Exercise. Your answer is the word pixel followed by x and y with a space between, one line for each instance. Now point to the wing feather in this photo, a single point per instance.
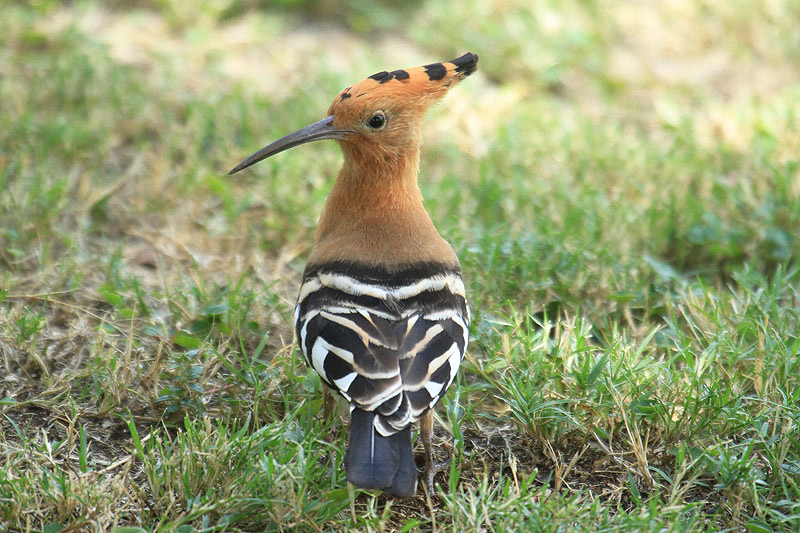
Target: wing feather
pixel 390 348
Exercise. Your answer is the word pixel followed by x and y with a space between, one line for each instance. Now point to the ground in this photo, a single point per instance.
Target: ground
pixel 620 181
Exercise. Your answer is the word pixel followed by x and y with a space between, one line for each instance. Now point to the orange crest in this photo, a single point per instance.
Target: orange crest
pixel 416 87
pixel 380 117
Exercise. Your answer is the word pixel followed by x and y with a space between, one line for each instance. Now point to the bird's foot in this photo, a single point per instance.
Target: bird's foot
pixel 432 469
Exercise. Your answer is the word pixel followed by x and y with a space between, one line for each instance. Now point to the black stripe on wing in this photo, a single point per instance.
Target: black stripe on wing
pixel 427 301
pixel 401 276
pixel 432 369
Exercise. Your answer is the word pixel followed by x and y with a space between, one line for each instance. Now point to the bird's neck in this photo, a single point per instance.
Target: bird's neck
pixel 374 215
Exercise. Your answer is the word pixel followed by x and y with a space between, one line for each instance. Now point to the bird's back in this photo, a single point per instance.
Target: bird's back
pixel 390 342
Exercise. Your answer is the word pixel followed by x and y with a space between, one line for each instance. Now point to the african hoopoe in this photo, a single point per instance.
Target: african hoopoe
pixel 382 315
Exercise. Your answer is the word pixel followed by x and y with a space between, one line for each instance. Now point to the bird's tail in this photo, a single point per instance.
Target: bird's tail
pixel 377 462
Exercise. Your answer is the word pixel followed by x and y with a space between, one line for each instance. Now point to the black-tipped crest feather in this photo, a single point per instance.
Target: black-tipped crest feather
pixel 466 64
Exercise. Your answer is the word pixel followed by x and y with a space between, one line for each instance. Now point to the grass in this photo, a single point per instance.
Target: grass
pixel 620 181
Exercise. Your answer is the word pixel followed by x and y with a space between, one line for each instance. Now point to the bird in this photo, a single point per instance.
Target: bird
pixel 382 313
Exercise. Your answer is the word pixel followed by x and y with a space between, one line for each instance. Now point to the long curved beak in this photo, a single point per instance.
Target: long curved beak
pixel 313 132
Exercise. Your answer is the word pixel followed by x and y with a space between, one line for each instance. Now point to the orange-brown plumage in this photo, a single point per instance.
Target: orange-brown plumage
pixel 382 313
pixel 381 220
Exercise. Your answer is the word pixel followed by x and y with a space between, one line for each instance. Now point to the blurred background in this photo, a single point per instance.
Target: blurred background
pixel 659 114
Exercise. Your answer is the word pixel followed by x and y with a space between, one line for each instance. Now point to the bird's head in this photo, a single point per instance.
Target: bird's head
pixel 381 116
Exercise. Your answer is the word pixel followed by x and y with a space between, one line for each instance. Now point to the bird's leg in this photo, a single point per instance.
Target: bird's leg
pixel 328 403
pixel 426 433
pixel 329 410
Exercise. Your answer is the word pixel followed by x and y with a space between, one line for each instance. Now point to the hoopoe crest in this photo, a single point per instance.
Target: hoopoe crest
pixel 382 314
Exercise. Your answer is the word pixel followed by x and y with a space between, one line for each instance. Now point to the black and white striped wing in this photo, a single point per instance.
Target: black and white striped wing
pixel 390 344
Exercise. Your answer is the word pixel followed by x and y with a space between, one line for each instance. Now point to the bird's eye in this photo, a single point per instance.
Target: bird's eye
pixel 377 121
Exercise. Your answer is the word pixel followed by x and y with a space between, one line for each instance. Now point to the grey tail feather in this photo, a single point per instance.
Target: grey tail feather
pixel 404 483
pixel 377 462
